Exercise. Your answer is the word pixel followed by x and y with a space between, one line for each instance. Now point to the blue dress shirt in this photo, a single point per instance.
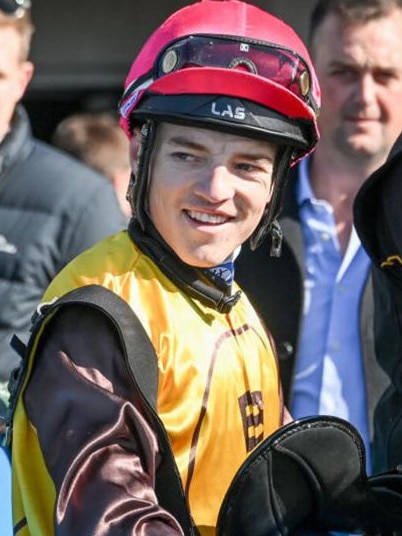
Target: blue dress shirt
pixel 329 377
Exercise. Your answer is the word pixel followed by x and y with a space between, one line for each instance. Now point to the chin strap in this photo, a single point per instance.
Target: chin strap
pixel 198 284
pixel 276 235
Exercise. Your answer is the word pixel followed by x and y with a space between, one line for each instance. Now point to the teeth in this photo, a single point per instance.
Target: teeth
pixel 206 218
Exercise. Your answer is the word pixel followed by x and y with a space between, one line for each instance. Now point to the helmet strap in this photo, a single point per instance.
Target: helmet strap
pixel 138 188
pixel 269 224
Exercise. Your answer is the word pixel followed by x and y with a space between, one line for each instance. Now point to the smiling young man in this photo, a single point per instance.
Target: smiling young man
pixel 208 191
pixel 217 105
pixel 51 207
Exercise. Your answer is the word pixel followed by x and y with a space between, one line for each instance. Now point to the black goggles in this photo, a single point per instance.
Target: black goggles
pixel 15 8
pixel 283 66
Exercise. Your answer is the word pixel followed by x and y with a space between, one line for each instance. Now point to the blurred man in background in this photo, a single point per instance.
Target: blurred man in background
pixel 51 206
pixel 98 140
pixel 317 296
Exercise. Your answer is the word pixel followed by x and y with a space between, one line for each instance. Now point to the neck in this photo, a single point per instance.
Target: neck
pixel 336 179
pixel 332 175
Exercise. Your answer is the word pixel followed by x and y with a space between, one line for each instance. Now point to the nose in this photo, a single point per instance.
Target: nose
pixel 366 89
pixel 216 185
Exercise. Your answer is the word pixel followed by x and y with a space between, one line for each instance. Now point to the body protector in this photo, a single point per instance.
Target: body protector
pixel 230 66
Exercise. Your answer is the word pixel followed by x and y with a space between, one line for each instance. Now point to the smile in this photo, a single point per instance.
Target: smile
pixel 206 218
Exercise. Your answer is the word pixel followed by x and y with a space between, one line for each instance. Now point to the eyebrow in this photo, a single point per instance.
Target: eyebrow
pixel 348 64
pixel 184 142
pixel 341 62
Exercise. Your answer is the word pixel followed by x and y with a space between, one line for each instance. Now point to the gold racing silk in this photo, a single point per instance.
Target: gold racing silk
pixel 218 393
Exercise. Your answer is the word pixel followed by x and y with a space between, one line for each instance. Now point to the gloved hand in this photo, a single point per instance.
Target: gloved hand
pixel 310 475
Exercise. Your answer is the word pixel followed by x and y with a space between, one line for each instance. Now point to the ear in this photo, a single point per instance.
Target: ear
pixel 134 148
pixel 25 76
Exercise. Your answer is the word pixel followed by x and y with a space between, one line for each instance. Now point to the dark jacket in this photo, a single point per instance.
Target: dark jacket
pixel 51 208
pixel 275 287
pixel 378 221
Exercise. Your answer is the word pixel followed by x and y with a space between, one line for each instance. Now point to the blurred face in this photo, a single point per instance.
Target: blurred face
pixel 14 75
pixel 120 180
pixel 359 67
pixel 208 191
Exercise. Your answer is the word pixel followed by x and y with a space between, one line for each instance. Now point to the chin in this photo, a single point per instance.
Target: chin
pixel 203 261
pixel 356 148
pixel 204 254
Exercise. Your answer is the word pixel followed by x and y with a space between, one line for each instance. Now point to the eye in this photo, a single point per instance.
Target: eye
pixel 344 73
pixel 186 158
pixel 247 167
pixel 183 156
pixel 253 173
pixel 254 168
pixel 385 77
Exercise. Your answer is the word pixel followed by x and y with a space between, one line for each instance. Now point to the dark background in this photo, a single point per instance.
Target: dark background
pixel 82 50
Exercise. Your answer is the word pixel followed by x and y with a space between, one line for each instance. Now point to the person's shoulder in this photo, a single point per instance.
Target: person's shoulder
pixel 68 168
pixel 57 179
pixel 50 181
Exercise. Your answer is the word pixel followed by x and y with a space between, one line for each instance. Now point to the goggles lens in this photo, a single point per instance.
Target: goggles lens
pixel 283 66
pixel 14 8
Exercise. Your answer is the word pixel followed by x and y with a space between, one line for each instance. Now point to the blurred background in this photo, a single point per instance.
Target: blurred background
pixel 82 50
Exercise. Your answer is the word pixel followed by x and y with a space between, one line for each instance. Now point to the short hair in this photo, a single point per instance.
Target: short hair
pixel 24 26
pixel 354 11
pixel 96 139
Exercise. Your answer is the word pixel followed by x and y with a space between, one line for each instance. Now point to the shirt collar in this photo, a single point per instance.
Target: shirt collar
pixel 226 270
pixel 304 191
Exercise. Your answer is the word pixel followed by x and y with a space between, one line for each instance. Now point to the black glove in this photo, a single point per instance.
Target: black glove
pixel 310 475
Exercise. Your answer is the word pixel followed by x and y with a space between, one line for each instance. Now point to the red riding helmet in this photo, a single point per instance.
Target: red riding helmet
pixel 230 66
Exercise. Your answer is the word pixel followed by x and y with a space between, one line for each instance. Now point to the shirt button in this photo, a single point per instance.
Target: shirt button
pixel 325 237
pixel 287 348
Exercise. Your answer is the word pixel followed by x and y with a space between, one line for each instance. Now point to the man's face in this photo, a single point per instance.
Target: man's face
pixel 359 67
pixel 208 190
pixel 14 75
